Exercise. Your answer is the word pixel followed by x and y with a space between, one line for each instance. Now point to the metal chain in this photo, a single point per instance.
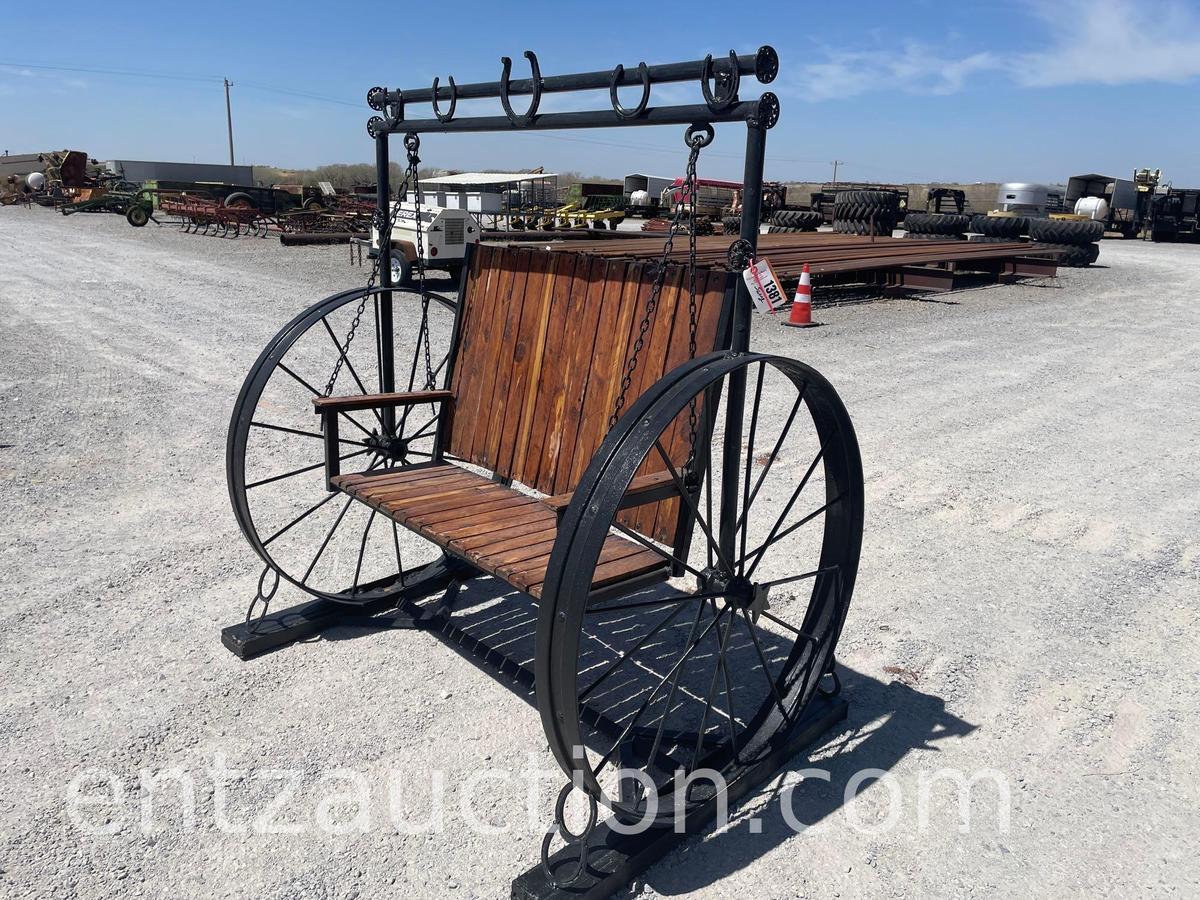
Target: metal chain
pixel 384 224
pixel 412 144
pixel 687 210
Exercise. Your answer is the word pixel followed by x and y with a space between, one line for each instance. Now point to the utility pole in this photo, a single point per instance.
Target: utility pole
pixel 835 164
pixel 229 120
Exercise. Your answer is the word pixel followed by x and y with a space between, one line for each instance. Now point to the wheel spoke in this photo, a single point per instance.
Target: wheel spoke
pixel 644 604
pixel 628 654
pixel 813 574
pixel 319 465
pixel 684 657
pixel 762 370
pixel 311 434
pixel 787 508
pixel 650 545
pixel 745 516
pixel 691 502
pixel 362 549
pixel 759 551
pixel 349 366
pixel 325 543
pixel 349 418
pixel 778 621
pixel 662 720
pixel 762 658
pixel 296 521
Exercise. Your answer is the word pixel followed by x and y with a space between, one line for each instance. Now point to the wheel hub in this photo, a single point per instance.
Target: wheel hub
pixel 739 593
pixel 394 447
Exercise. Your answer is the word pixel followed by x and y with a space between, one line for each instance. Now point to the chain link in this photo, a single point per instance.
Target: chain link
pixel 385 225
pixel 684 210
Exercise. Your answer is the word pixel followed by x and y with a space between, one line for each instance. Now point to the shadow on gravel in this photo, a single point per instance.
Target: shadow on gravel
pixel 887 721
pixel 495 630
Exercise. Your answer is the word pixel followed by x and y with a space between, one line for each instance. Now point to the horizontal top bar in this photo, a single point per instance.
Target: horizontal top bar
pixel 698 114
pixel 764 65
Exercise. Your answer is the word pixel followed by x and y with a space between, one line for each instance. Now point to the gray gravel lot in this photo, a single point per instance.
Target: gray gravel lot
pixel 1026 604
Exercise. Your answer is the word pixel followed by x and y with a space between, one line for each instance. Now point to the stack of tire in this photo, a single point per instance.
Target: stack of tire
pixel 998 229
pixel 936 226
pixel 866 212
pixel 1076 241
pixel 793 221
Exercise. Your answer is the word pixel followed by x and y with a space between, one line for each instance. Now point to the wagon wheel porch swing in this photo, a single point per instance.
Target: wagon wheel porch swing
pixel 677 520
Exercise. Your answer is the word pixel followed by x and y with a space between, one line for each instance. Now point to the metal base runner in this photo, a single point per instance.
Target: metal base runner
pixel 614 859
pixel 299 623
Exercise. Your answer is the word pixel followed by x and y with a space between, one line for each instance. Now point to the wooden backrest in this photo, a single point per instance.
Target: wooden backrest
pixel 544 341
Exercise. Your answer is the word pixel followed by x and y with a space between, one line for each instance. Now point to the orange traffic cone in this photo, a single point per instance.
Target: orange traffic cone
pixel 801 316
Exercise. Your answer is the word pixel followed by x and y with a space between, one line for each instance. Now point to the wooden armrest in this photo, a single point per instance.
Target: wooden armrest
pixel 378 401
pixel 643 489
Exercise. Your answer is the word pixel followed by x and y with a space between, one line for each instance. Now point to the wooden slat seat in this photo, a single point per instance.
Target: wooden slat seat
pixel 504 532
pixel 542 342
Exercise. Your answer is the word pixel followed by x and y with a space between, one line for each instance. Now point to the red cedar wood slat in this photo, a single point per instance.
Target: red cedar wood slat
pixel 468 373
pixel 512 306
pixel 464 372
pixel 473 506
pixel 532 406
pixel 548 409
pixel 580 339
pixel 487 355
pixel 528 347
pixel 605 361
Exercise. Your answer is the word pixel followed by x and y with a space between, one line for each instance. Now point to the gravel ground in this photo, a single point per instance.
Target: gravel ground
pixel 1026 606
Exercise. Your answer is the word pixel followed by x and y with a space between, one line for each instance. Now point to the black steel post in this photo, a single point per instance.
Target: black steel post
pixel 383 303
pixel 756 151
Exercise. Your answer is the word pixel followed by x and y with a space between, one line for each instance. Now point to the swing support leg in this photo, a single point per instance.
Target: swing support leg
pixel 308 620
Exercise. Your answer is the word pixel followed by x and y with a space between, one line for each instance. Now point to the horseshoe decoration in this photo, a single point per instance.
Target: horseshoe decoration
pixel 449 114
pixel 720 103
pixel 522 120
pixel 617 75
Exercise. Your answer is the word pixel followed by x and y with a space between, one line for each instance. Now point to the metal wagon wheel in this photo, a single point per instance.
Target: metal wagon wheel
pixel 712 670
pixel 274 454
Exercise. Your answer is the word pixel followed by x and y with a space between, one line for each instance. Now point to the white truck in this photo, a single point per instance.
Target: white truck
pixel 445 235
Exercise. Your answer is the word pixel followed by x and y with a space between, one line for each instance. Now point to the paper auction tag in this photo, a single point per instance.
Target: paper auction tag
pixel 765 289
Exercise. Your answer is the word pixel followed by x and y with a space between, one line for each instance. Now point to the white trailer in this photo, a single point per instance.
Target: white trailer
pixel 445 233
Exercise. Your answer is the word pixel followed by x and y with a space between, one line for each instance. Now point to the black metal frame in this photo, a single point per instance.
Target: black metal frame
pixel 720 83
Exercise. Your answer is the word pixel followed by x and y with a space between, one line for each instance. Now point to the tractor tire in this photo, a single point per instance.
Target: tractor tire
pixel 881 227
pixel 1007 227
pixel 854 211
pixel 991 239
pixel 732 224
pixel 872 201
pixel 936 223
pixel 239 201
pixel 782 229
pixel 1073 256
pixel 314 205
pixel 137 215
pixel 920 236
pixel 1065 231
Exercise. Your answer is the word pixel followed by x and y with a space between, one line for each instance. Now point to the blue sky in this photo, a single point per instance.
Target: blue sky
pixel 1000 90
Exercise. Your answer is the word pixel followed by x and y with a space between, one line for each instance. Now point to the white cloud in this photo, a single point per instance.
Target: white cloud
pixel 1085 42
pixel 1114 42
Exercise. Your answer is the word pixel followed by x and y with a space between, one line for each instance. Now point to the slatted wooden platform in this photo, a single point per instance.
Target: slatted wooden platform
pixel 502 531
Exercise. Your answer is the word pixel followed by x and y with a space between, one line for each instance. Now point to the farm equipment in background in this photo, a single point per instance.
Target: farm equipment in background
pixel 445 235
pixel 1123 205
pixel 1175 215
pixel 823 201
pixel 940 200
